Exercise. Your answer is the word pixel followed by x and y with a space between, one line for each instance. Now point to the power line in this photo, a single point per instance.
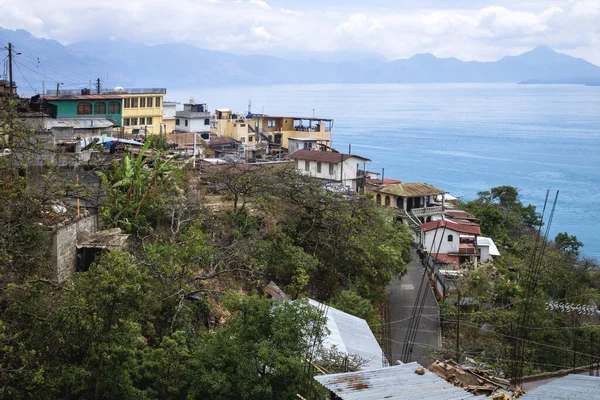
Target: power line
pixel 39 73
pixel 32 89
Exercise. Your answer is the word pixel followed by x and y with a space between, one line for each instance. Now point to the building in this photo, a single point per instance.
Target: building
pixel 397 382
pixel 295 144
pixel 572 387
pixel 251 129
pixel 451 242
pixel 487 249
pixel 351 335
pixel 195 117
pixel 86 107
pixel 331 166
pixel 169 109
pixel 142 109
pixel 415 202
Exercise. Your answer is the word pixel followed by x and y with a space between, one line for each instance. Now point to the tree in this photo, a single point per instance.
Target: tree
pixel 568 244
pixel 260 354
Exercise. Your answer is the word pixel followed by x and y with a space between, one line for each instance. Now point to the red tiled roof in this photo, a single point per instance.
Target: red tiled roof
pixel 387 181
pixel 323 156
pixel 470 229
pixel 448 259
pixel 459 214
pixel 466 248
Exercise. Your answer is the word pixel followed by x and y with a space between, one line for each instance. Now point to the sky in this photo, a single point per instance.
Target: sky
pixel 466 29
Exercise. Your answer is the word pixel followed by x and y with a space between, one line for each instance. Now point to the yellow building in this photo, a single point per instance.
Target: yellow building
pixel 143 109
pixel 252 129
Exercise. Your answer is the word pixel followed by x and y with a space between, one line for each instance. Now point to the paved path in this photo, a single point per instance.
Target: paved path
pixel 401 299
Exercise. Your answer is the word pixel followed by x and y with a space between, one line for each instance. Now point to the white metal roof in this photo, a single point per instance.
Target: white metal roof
pixel 78 123
pixel 105 139
pixel 351 335
pixel 483 241
pixel 397 382
pixel 570 387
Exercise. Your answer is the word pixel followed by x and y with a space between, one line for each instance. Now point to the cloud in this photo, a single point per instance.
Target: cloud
pixel 487 31
pixel 261 4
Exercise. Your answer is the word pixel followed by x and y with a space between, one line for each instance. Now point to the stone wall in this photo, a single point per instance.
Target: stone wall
pixel 64 245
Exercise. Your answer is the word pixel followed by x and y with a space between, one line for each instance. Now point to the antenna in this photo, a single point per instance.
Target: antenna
pixel 250 106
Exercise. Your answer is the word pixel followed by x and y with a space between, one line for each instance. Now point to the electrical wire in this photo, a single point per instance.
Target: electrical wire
pixel 19 69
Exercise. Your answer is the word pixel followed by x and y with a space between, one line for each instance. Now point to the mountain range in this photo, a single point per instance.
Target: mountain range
pixel 178 65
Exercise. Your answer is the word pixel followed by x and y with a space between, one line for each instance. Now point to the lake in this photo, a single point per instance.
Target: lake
pixel 463 138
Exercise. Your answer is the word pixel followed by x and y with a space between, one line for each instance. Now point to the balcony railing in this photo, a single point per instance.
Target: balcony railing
pixel 424 212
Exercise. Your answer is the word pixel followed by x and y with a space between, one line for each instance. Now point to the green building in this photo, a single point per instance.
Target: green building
pixel 86 106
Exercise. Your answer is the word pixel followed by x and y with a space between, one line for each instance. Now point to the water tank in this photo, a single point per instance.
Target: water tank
pixel 192 100
pixel 119 89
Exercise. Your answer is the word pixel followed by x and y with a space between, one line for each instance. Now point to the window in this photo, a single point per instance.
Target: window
pixel 148 101
pixel 142 121
pixel 177 121
pixel 134 121
pixel 186 122
pixel 318 167
pixel 250 138
pixel 157 102
pixel 330 169
pixel 142 102
pixel 242 125
pixel 271 123
pixel 450 238
pixel 387 200
pixel 306 165
pixel 243 140
pixel 84 108
pixel 125 121
pixel 378 198
pixel 206 121
pixel 127 103
pixel 149 121
pixel 100 108
pixel 134 102
pixel 114 107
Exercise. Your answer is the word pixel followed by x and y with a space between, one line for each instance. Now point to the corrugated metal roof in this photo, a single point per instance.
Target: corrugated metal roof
pixel 411 189
pixel 570 387
pixel 397 382
pixel 78 123
pixel 351 335
pixel 84 97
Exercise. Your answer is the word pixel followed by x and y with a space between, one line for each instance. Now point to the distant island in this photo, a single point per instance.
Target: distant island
pixel 178 65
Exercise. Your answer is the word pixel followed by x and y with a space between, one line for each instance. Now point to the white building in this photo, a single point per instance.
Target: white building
pixel 195 117
pixel 295 144
pixel 337 167
pixel 450 242
pixel 487 249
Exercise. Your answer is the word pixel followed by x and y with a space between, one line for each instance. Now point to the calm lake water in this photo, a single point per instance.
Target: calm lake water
pixel 463 138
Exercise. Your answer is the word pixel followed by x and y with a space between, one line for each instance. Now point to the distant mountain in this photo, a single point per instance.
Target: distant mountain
pixel 180 65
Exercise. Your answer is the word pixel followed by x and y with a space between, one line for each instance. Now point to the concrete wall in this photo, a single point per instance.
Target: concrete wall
pixel 68 108
pixel 442 237
pixel 64 246
pixel 194 125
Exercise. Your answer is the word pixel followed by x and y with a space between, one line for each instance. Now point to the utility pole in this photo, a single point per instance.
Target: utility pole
pixel 98 86
pixel 57 85
pixel 458 327
pixel 10 75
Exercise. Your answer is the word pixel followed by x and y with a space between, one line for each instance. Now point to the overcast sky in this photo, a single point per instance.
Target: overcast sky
pixel 466 29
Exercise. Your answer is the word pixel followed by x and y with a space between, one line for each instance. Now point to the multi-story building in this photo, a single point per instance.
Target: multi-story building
pixel 103 106
pixel 142 109
pixel 251 129
pixel 195 117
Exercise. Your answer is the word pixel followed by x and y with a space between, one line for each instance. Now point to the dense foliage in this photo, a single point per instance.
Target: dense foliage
pixel 493 295
pixel 180 312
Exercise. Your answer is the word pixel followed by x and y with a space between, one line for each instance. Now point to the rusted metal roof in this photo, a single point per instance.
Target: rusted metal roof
pixel 323 156
pixel 397 382
pixel 571 387
pixel 79 123
pixel 470 229
pixel 84 97
pixel 411 189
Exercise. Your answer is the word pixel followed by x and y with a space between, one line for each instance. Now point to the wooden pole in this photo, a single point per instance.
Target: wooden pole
pixel 78 203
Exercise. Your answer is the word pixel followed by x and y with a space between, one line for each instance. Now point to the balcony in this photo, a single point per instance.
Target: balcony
pixel 423 212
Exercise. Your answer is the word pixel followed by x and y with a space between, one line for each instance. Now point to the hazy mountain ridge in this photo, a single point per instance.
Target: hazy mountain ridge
pixel 181 65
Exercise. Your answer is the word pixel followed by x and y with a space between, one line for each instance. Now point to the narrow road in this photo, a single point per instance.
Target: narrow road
pixel 401 299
